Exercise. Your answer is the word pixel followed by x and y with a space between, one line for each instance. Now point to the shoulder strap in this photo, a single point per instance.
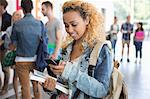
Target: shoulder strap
pixel 95 52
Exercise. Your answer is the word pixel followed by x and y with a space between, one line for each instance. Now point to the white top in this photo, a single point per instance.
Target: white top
pixel 114 31
pixel 25 59
pixel 115 28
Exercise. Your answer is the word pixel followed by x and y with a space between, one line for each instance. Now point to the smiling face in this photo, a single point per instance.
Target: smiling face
pixel 75 25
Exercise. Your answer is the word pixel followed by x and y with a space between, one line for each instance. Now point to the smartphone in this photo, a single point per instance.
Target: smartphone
pixel 52 61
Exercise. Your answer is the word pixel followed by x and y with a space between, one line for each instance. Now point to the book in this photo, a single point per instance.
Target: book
pixel 40 77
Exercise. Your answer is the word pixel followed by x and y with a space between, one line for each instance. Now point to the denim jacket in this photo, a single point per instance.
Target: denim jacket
pixel 76 73
pixel 25 35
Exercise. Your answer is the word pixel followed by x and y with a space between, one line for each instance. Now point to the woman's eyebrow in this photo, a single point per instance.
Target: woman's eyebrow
pixel 71 22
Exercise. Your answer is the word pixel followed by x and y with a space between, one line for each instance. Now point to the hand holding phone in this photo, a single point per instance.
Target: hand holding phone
pixel 52 61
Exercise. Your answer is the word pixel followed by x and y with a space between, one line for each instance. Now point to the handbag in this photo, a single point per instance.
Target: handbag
pixel 9 59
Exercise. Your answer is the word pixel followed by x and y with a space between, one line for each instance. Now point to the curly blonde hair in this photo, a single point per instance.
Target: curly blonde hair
pixel 95 28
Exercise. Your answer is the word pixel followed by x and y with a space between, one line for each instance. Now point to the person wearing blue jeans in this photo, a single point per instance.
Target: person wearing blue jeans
pixel 138 48
pixel 114 29
pixel 138 40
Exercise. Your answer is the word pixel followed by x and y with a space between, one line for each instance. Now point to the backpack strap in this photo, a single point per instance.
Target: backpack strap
pixel 96 50
pixel 116 84
pixel 95 54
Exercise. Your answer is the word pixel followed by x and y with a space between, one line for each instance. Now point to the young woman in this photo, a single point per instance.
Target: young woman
pixel 15 17
pixel 138 40
pixel 85 26
pixel 114 29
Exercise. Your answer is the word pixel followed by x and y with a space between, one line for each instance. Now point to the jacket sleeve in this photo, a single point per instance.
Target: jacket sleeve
pixel 96 86
pixel 13 36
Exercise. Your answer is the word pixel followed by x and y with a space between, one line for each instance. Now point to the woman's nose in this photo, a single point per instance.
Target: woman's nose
pixel 70 29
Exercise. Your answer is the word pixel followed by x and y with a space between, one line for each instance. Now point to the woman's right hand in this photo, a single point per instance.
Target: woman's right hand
pixel 49 84
pixel 58 69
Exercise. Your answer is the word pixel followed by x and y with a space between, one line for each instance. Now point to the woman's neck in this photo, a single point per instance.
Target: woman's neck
pixel 77 50
pixel 77 42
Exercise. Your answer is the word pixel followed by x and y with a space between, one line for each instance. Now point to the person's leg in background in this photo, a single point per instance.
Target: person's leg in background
pixel 141 43
pixel 140 55
pixel 114 46
pixel 15 84
pixel 128 45
pixel 6 74
pixel 6 71
pixel 136 50
pixel 36 86
pixel 123 43
pixel 23 69
pixel 136 54
pixel 37 90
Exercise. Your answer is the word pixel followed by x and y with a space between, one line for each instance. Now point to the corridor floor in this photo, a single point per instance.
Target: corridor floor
pixel 136 75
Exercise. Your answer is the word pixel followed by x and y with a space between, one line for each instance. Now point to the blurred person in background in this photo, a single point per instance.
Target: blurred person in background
pixel 126 30
pixel 17 15
pixel 54 34
pixel 138 40
pixel 54 30
pixel 25 38
pixel 114 29
pixel 5 22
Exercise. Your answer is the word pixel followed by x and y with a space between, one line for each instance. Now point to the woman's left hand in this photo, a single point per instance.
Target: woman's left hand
pixel 57 69
pixel 49 84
